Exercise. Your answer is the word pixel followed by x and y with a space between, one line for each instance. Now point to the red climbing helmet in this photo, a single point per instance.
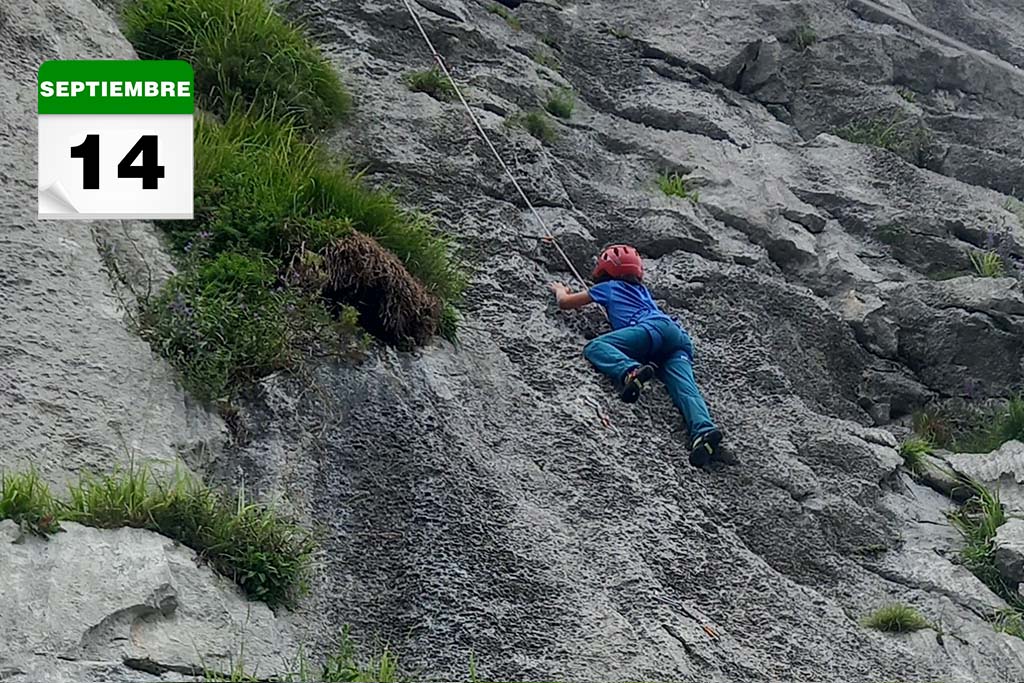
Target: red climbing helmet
pixel 619 261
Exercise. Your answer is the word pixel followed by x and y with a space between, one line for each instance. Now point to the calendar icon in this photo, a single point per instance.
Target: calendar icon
pixel 115 139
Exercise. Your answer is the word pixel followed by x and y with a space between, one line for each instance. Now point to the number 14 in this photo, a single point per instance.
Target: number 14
pixel 149 171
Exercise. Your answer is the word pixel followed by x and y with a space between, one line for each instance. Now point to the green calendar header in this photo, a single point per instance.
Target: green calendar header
pixel 128 86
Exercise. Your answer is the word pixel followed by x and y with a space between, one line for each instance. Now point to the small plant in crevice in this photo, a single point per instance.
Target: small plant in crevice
pixel 676 185
pixel 906 94
pixel 537 124
pixel 903 136
pixel 545 57
pixel 344 665
pixel 915 452
pixel 1010 622
pixel 803 37
pixel 987 264
pixel 896 618
pixel 561 103
pixel 26 500
pixel 506 14
pixel 432 82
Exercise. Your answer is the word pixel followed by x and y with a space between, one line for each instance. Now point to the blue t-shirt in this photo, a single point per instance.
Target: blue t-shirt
pixel 627 304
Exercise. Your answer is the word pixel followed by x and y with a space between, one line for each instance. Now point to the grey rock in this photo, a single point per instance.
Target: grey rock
pixel 1001 471
pixel 87 602
pixel 1009 550
pixel 79 392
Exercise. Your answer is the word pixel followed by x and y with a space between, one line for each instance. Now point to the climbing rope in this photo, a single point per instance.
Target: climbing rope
pixel 546 232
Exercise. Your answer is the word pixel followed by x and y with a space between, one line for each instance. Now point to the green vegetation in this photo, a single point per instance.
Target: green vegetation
pixel 1016 207
pixel 26 499
pixel 896 618
pixel 971 430
pixel 246 57
pixel 620 33
pixel 561 103
pixel 264 553
pixel 899 135
pixel 987 264
pixel 915 451
pixel 537 124
pixel 675 185
pixel 503 12
pixel 281 228
pixel 907 94
pixel 433 82
pixel 224 323
pixel 803 37
pixel 977 521
pixel 544 57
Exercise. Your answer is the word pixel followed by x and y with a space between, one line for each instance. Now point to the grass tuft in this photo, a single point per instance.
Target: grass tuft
pixel 267 554
pixel 896 618
pixel 246 57
pixel 906 94
pixel 899 135
pixel 987 264
pixel 803 37
pixel 561 103
pixel 345 666
pixel 675 185
pixel 537 124
pixel 545 57
pixel 432 82
pixel 26 499
pixel 506 14
pixel 915 451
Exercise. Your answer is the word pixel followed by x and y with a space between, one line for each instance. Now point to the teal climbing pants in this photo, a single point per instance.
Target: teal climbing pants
pixel 662 342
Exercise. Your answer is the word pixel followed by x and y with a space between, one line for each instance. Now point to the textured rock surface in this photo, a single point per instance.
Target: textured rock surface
pixel 477 503
pixel 491 499
pixel 128 604
pixel 78 391
pixel 1002 471
pixel 1009 554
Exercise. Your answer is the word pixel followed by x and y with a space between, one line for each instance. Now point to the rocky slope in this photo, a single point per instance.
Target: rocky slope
pixel 491 499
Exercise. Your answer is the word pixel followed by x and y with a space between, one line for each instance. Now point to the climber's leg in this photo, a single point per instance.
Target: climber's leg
pixel 622 356
pixel 676 372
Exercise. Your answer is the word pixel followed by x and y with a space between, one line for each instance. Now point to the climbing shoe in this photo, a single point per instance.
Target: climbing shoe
pixel 704 448
pixel 633 382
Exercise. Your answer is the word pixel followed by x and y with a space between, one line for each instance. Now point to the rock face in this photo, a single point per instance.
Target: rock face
pixel 492 499
pixel 91 604
pixel 79 392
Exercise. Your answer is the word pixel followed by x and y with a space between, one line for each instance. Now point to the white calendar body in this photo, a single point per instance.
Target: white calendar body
pixel 115 139
pixel 64 192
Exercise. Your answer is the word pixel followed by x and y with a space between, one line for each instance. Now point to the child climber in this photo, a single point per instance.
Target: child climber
pixel 643 336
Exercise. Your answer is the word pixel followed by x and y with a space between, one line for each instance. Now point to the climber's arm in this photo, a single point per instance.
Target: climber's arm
pixel 567 300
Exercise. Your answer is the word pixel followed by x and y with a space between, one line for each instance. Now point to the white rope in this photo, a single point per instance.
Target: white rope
pixel 483 134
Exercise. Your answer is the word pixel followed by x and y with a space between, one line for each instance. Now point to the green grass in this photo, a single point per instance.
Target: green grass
pixel 345 665
pixel 970 430
pixel 561 103
pixel 1016 207
pixel 432 82
pixel 896 618
pixel 545 57
pixel 267 554
pixel 977 521
pixel 246 57
pixel 225 322
pixel 907 94
pixel 908 139
pixel 537 124
pixel 987 264
pixel 259 186
pixel 675 185
pixel 503 12
pixel 26 499
pixel 803 37
pixel 914 452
